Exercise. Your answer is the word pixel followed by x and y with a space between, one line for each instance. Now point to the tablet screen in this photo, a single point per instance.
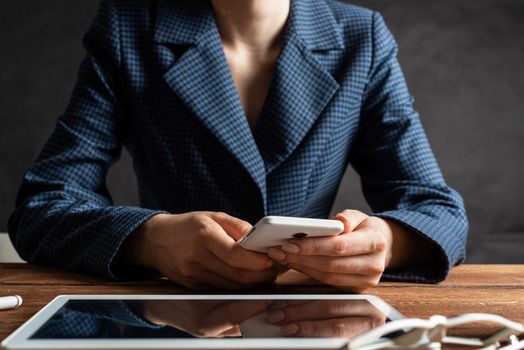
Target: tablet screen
pixel 167 319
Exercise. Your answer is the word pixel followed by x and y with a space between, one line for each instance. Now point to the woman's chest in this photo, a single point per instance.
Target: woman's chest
pixel 252 75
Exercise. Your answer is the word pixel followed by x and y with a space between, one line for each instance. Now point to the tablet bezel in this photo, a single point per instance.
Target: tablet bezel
pixel 19 339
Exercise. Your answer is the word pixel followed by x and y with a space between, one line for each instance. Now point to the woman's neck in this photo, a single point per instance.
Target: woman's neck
pixel 257 25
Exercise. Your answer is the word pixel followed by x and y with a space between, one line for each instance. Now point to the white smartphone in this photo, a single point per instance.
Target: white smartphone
pixel 272 231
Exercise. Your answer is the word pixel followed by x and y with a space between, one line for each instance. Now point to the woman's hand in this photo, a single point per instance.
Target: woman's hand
pixel 353 260
pixel 198 250
pixel 203 318
pixel 325 318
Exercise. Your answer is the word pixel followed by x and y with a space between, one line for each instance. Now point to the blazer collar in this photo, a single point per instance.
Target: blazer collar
pixel 184 21
pixel 313 22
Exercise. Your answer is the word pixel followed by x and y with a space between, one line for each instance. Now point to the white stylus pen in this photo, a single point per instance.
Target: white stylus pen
pixel 10 302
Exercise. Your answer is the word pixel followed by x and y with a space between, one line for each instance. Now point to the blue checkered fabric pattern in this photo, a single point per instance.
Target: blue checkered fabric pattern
pixel 156 81
pixel 102 320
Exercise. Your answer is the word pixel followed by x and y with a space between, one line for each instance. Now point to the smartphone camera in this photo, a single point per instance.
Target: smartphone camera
pixel 300 235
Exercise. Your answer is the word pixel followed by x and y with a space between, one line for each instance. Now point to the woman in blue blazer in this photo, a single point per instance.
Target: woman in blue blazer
pixel 233 110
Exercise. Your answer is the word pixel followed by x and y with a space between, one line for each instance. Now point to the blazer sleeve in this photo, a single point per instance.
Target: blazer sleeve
pixel 64 215
pixel 400 177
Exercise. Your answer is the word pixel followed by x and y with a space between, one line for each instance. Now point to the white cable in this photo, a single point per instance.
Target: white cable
pixel 431 333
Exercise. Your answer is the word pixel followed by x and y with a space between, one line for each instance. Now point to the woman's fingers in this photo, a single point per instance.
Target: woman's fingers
pixel 357 265
pixel 320 310
pixel 232 332
pixel 234 227
pixel 353 260
pixel 224 248
pixel 353 283
pixel 351 219
pixel 347 327
pixel 230 314
pixel 242 277
pixel 362 241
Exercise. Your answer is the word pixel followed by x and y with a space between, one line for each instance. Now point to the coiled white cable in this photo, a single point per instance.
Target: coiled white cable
pixel 431 334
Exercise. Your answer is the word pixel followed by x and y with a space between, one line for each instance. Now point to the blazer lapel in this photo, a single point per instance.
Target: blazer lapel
pixel 301 87
pixel 201 79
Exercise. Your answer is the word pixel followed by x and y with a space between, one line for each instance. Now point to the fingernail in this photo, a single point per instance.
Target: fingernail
pixel 270 264
pixel 290 248
pixel 275 316
pixel 276 254
pixel 342 216
pixel 345 221
pixel 289 329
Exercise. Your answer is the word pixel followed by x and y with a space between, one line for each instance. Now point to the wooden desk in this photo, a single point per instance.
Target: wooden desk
pixel 470 288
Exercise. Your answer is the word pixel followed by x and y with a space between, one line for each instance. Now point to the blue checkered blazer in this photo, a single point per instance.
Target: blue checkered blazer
pixel 155 80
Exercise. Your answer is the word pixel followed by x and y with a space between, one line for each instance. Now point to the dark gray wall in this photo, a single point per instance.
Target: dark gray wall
pixel 464 62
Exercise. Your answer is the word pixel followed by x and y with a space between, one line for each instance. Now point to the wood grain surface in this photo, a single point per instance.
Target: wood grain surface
pixel 470 288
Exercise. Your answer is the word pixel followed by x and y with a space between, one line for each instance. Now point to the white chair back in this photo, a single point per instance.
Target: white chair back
pixel 8 253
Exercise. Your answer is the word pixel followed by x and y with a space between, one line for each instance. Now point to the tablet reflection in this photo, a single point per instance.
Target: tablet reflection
pixel 91 319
